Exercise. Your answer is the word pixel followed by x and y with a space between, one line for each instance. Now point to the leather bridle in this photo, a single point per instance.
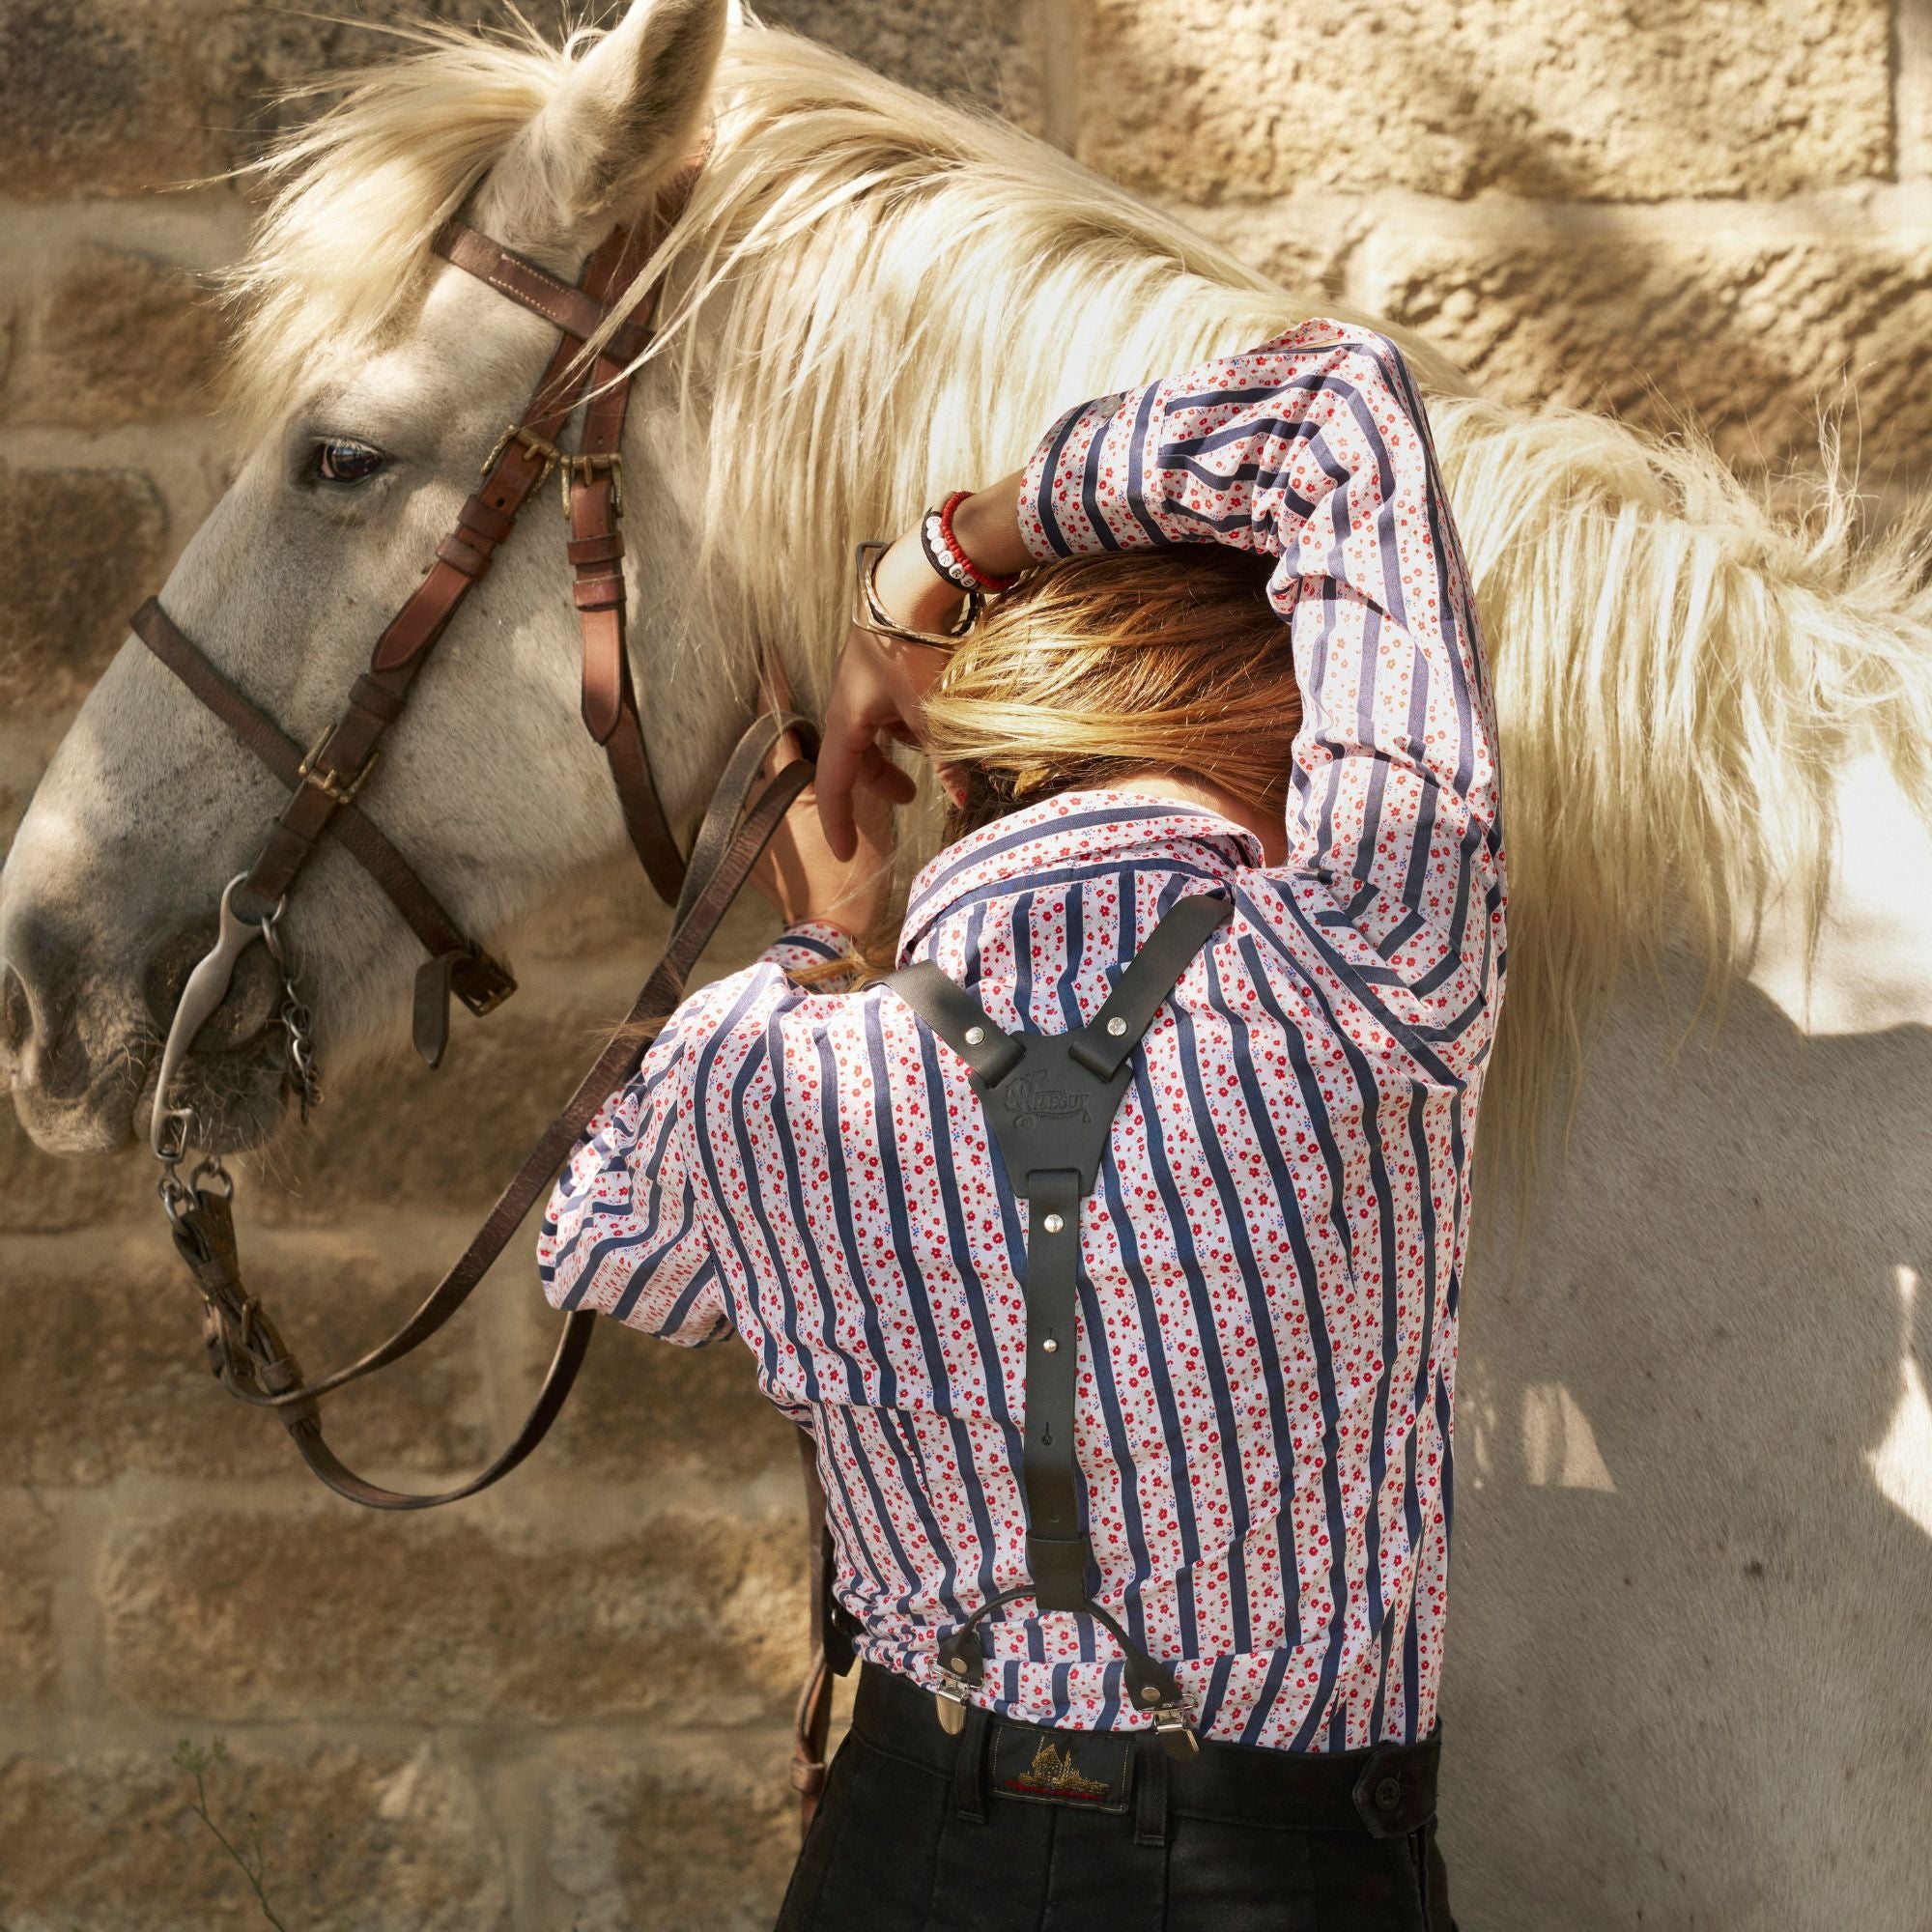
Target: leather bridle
pixel 244 1348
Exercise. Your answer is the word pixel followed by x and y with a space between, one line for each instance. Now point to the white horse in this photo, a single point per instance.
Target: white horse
pixel 1689 1681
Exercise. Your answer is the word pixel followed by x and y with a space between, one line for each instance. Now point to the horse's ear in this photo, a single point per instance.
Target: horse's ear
pixel 626 117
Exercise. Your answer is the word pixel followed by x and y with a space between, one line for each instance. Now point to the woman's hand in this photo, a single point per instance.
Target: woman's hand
pixel 799 874
pixel 881 684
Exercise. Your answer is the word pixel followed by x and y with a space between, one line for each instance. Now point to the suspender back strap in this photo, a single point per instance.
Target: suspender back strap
pixel 1050 1100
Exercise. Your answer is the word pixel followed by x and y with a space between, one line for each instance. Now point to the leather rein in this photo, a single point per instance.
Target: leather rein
pixel 244 1348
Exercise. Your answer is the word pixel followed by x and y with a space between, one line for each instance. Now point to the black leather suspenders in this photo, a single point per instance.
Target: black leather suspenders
pixel 1050 1099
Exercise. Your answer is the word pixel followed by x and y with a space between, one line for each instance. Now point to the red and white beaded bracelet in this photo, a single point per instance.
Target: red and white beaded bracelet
pixel 946 555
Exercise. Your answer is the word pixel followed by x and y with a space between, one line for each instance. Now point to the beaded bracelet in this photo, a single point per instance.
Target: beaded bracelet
pixel 946 555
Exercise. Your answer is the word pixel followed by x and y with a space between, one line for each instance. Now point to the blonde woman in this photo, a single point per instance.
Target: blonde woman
pixel 1109 1245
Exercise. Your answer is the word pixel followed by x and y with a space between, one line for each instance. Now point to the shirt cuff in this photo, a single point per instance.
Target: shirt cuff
pixel 812 942
pixel 1082 483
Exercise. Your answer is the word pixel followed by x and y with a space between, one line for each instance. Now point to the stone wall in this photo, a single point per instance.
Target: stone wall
pixel 564 1707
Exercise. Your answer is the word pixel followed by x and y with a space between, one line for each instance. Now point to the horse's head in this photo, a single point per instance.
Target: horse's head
pixel 387 377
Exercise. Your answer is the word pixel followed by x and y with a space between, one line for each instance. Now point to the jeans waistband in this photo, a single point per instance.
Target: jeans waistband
pixel 1387 1791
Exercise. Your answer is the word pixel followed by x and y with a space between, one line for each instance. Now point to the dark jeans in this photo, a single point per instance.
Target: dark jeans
pixel 1010 1829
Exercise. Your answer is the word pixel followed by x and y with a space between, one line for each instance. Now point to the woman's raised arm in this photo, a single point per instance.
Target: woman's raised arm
pixel 1314 449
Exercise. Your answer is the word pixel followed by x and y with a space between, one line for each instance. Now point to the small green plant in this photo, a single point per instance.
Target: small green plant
pixel 198 1760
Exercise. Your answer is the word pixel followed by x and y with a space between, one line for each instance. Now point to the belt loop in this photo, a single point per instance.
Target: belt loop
pixel 969 1768
pixel 1150 1790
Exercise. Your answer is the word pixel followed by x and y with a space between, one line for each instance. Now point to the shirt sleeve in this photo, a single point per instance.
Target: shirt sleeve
pixel 1315 449
pixel 623 1234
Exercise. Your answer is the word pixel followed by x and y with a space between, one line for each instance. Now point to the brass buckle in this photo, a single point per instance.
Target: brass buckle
pixel 533 445
pixel 583 469
pixel 481 983
pixel 328 781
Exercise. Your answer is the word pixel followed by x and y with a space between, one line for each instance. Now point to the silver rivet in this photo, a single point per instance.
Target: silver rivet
pixel 958 1667
pixel 1150 1695
pixel 1053 1224
pixel 976 1036
pixel 1050 1347
pixel 1117 1026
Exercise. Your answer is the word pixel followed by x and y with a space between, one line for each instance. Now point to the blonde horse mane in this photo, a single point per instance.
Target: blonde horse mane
pixel 874 296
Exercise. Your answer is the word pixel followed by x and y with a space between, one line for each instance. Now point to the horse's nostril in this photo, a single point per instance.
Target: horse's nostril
pixel 16 1012
pixel 253 995
pixel 168 967
pixel 17 1018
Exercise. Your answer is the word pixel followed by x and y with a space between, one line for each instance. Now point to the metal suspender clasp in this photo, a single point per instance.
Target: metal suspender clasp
pixel 950 1699
pixel 1156 1691
pixel 1177 1739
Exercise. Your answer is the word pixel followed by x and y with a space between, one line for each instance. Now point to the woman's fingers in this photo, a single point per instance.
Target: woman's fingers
pixel 841 745
pixel 863 703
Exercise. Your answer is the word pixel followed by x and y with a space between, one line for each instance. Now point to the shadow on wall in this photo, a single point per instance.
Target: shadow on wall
pixel 1597 244
pixel 1687 1681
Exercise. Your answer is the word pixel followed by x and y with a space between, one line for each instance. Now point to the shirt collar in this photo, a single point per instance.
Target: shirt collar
pixel 1067 830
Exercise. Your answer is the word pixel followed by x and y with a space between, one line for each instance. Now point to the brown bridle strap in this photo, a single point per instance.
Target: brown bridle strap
pixel 594 478
pixel 343 755
pixel 323 785
pixel 526 455
pixel 244 1348
pixel 476 979
pixel 578 312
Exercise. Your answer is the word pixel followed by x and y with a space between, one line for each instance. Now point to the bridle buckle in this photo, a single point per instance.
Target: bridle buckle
pixel 326 779
pixel 583 467
pixel 533 445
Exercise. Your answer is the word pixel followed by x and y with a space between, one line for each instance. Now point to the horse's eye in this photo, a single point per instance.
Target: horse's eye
pixel 337 460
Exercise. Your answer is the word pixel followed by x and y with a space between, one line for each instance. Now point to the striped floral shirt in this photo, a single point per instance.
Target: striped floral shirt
pixel 1271 1260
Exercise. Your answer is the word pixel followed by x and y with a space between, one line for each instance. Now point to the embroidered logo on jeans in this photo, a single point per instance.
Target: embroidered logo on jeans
pixel 1052 1775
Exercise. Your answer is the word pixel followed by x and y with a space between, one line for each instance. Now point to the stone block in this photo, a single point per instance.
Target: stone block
pixel 1303 241
pixel 1913 38
pixel 643 1409
pixel 250 57
pixel 83 548
pixel 103 1372
pixel 100 98
pixel 1207 99
pixel 674 1616
pixel 692 1833
pixel 976 50
pixel 118 339
pixel 39 1195
pixel 108 1842
pixel 28 1535
pixel 394 1133
pixel 1740 329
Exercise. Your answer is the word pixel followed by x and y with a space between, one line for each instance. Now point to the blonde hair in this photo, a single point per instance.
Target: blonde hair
pixel 1106 665
pixel 875 296
pixel 1098 668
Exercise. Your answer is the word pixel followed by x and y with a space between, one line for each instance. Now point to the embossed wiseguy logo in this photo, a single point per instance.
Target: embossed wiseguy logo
pixel 1032 1098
